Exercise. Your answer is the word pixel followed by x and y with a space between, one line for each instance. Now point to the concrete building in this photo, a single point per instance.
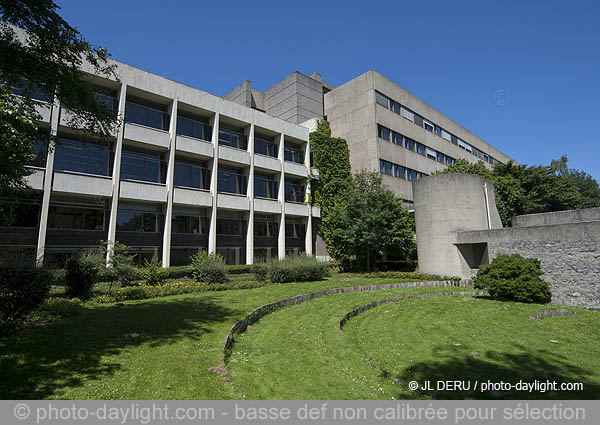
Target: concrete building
pixel 459 231
pixel 387 129
pixel 186 171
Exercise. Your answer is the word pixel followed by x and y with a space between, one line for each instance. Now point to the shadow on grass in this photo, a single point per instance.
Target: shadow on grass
pixel 523 364
pixel 38 364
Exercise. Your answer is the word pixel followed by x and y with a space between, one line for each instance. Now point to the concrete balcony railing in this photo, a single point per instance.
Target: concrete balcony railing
pixel 234 155
pixel 149 135
pixel 83 184
pixel 301 210
pixel 267 206
pixel 233 202
pixel 295 169
pixel 36 180
pixel 194 197
pixel 267 162
pixel 194 146
pixel 142 191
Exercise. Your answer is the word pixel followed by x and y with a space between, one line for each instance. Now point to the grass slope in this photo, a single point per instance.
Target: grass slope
pixel 151 349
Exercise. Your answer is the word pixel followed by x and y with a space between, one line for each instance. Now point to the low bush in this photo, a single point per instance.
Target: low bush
pixel 54 309
pixel 209 268
pixel 152 273
pixel 239 268
pixel 81 271
pixel 23 288
pixel 512 277
pixel 177 272
pixel 260 271
pixel 125 274
pixel 300 268
pixel 400 275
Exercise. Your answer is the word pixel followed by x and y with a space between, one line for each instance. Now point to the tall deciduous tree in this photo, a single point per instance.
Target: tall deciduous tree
pixel 368 221
pixel 41 56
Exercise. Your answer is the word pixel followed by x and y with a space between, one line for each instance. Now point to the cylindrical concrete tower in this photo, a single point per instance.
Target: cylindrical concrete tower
pixel 445 204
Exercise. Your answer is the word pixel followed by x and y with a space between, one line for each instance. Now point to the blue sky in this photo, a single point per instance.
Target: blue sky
pixel 543 57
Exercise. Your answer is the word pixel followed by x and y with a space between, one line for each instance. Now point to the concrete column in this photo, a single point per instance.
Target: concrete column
pixel 166 254
pixel 250 194
pixel 116 177
pixel 308 237
pixel 212 231
pixel 47 188
pixel 281 236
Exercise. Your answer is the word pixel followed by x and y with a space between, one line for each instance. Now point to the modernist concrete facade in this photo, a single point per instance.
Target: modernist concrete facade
pixel 387 128
pixel 185 171
pixel 459 230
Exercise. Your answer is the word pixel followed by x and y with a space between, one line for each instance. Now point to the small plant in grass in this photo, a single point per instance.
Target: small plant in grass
pixel 152 273
pixel 23 288
pixel 209 268
pixel 299 268
pixel 81 271
pixel 512 277
pixel 121 270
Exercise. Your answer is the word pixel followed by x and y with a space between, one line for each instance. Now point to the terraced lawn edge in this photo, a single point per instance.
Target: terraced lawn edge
pixel 255 315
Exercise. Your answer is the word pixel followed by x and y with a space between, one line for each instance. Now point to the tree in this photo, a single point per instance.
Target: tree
pixel 523 189
pixel 41 57
pixel 368 221
pixel 330 155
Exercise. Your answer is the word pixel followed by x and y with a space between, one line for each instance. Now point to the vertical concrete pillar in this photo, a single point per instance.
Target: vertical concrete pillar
pixel 166 254
pixel 281 198
pixel 116 177
pixel 250 194
pixel 47 188
pixel 212 231
pixel 308 237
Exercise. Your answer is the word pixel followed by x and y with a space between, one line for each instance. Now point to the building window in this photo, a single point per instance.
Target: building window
pixel 383 132
pixel 395 106
pixel 146 116
pixel 193 175
pixel 437 130
pixel 409 144
pixel 21 214
pixel 194 129
pixel 231 181
pixel 232 255
pixel 396 138
pixel 454 139
pixel 428 125
pixel 75 218
pixel 411 174
pixel 418 120
pixel 385 167
pixel 232 139
pixel 231 227
pixel 39 150
pixel 188 222
pixel 138 218
pixel 265 186
pixel 142 166
pixel 450 161
pixel 431 154
pixel 294 191
pixel 265 227
pixel 265 147
pixel 441 158
pixel 292 154
pixel 447 136
pixel 82 157
pixel 294 228
pixel 399 171
pixel 262 255
pixel 381 99
pixel 408 114
pixel 420 148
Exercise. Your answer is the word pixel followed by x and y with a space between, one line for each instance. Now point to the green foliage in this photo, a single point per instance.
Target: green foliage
pixel 152 273
pixel 209 268
pixel 261 271
pixel 298 268
pixel 522 189
pixel 367 221
pixel 512 277
pixel 23 288
pixel 400 275
pixel 81 271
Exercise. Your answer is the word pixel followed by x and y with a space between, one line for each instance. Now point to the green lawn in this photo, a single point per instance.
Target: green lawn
pixel 152 349
pixel 162 348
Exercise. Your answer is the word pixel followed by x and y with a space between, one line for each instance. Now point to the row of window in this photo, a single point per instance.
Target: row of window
pixel 145 218
pixel 410 144
pixel 391 169
pixel 394 106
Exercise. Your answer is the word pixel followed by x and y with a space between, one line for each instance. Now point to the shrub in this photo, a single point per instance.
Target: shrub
pixel 239 268
pixel 512 277
pixel 300 268
pixel 23 288
pixel 125 274
pixel 81 271
pixel 152 273
pixel 209 268
pixel 260 271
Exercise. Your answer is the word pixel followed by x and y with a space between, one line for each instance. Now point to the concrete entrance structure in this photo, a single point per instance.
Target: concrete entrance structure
pixel 456 236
